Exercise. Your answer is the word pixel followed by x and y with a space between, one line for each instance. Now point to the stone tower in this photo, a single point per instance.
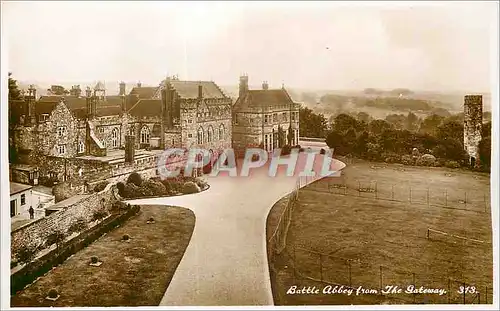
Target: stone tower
pixel 473 121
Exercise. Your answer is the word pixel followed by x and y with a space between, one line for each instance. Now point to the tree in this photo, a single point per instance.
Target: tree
pixel 344 122
pixel 450 130
pixel 312 124
pixel 485 151
pixel 411 121
pixel 430 124
pixel 14 92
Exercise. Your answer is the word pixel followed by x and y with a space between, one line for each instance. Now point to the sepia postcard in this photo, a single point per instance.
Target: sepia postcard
pixel 250 155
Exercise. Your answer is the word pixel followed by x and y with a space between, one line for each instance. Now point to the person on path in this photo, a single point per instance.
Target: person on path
pixel 32 212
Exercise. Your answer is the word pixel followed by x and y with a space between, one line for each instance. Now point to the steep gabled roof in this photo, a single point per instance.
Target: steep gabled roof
pixel 189 89
pixel 146 108
pixel 264 98
pixel 144 92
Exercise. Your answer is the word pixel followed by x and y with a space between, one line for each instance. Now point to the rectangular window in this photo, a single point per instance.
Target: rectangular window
pixel 44 117
pixel 23 199
pixel 101 129
pixel 62 149
pixel 266 141
pixel 61 131
pixel 190 121
pixel 274 118
pixel 13 209
pixel 190 135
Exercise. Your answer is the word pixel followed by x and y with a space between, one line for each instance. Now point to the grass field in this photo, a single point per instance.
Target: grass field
pixel 379 236
pixel 134 273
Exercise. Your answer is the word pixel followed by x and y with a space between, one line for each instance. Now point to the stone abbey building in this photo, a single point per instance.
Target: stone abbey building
pixel 91 135
pixel 266 118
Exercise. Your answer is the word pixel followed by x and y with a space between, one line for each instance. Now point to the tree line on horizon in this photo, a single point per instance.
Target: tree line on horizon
pixel 396 138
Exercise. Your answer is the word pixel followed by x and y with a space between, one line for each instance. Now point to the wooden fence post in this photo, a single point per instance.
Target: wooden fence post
pixel 414 285
pixel 446 197
pixel 376 191
pixel 428 204
pixel 410 194
pixel 464 291
pixel 449 290
pixel 381 278
pixel 465 199
pixel 392 193
pixel 349 269
pixel 321 267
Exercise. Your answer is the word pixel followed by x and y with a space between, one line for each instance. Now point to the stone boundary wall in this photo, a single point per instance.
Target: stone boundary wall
pixel 37 232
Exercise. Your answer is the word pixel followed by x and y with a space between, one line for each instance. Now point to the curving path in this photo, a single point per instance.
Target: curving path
pixel 225 263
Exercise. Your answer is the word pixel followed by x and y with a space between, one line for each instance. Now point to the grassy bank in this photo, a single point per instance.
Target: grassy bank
pixel 343 237
pixel 134 273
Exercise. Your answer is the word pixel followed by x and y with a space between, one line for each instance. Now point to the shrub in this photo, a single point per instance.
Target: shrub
pixel 426 160
pixel 126 237
pixel 53 293
pixel 56 237
pixel 190 187
pixel 78 226
pixel 131 191
pixel 151 219
pixel 301 149
pixel 322 151
pixel 156 187
pixel 100 186
pixel 94 259
pixel 201 183
pixel 451 164
pixel 26 254
pixel 407 160
pixel 121 187
pixel 135 179
pixel 286 150
pixel 392 158
pixel 99 215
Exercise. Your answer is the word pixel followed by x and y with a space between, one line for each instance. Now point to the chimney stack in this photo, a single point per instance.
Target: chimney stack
pixel 122 88
pixel 90 104
pixel 265 86
pixel 200 91
pixel 243 85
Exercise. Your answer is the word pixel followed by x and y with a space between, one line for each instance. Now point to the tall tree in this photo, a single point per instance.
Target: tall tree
pixel 14 92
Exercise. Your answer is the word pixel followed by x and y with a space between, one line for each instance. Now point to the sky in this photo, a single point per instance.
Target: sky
pixel 318 45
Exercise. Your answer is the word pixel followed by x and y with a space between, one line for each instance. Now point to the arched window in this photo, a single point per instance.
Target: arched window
pixel 200 135
pixel 210 133
pixel 221 132
pixel 145 135
pixel 114 138
pixel 81 147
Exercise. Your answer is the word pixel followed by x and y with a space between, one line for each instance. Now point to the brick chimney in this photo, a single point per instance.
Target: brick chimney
pixel 243 85
pixel 129 149
pixel 90 104
pixel 265 86
pixel 200 91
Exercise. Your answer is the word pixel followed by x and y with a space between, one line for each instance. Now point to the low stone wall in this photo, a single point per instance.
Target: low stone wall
pixel 45 263
pixel 37 232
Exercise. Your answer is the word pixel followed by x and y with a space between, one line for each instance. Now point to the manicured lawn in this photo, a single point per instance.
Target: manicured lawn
pixel 388 238
pixel 135 273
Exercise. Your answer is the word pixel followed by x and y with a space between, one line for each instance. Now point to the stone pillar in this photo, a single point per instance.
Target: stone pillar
pixel 129 149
